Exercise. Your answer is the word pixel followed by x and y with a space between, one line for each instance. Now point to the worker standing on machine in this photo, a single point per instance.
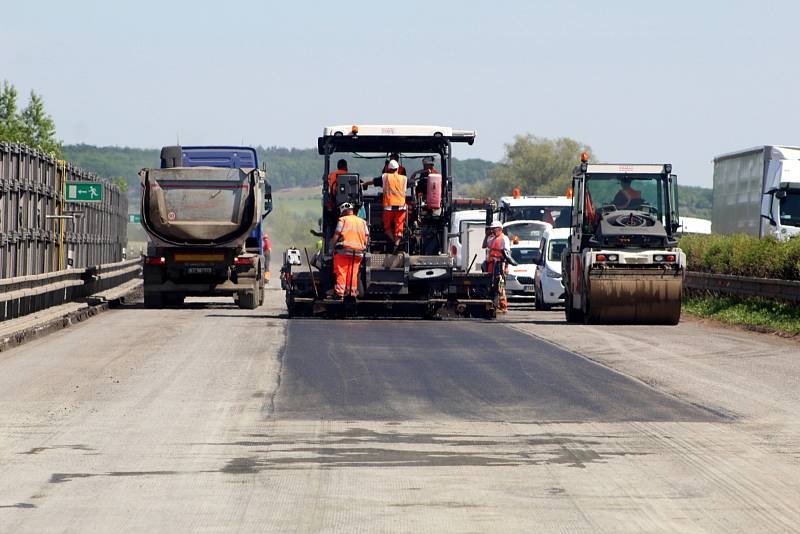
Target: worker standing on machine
pixel 349 242
pixel 498 255
pixel 394 186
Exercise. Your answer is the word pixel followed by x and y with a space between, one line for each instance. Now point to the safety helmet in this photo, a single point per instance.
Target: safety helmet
pixel 393 165
pixel 345 206
pixel 427 160
pixel 496 224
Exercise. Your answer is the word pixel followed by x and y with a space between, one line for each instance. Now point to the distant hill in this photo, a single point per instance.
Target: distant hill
pixel 286 167
pixel 303 167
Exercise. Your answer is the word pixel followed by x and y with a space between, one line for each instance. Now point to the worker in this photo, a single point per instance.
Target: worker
pixel 420 177
pixel 341 168
pixel 394 186
pixel 349 242
pixel 498 247
pixel 394 156
pixel 627 197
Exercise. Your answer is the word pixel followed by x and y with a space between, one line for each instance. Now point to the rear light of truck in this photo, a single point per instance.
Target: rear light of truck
pixel 453 250
pixel 669 258
pixel 243 261
pixel 607 257
pixel 155 260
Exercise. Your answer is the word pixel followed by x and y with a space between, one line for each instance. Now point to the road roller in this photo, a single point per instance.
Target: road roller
pixel 622 264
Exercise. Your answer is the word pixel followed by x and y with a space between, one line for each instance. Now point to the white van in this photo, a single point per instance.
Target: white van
pixel 547 281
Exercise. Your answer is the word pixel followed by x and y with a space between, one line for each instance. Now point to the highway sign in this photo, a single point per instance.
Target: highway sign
pixel 134 218
pixel 84 192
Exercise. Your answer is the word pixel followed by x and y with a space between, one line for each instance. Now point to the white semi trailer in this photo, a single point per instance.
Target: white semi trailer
pixel 757 192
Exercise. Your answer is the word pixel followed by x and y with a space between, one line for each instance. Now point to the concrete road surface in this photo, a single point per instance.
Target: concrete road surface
pixel 210 418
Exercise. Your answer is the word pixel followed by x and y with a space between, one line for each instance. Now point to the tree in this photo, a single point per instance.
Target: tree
pixel 33 127
pixel 10 125
pixel 121 182
pixel 39 128
pixel 537 165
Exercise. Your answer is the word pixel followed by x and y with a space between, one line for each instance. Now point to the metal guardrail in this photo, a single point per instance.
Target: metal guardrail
pixel 38 231
pixel 22 295
pixel 744 286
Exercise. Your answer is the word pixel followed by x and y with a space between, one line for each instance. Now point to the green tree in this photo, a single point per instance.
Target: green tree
pixel 38 126
pixel 537 165
pixel 121 182
pixel 10 125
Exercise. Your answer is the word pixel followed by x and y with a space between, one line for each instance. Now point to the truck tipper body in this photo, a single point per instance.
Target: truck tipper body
pixel 203 210
pixel 757 192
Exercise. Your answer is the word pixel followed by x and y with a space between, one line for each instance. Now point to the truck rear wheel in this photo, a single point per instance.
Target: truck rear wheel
pixel 153 300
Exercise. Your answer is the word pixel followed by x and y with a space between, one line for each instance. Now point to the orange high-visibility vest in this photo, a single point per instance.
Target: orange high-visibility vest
pixel 631 194
pixel 495 247
pixel 394 190
pixel 354 232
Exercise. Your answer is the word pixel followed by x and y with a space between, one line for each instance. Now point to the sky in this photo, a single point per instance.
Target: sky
pixel 639 81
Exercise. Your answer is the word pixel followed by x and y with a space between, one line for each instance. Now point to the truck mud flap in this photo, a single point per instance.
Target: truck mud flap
pixel 634 297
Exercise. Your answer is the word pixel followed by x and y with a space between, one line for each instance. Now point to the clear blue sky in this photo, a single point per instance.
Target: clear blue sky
pixel 673 81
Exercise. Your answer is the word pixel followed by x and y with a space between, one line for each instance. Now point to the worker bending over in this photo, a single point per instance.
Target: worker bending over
pixel 498 248
pixel 349 242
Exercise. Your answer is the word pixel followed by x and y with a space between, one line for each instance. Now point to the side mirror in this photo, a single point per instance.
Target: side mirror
pixel 267 199
pixel 780 194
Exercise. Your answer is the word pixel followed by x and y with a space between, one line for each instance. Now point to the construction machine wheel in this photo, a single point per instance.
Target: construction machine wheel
pixel 153 300
pixel 641 298
pixel 248 300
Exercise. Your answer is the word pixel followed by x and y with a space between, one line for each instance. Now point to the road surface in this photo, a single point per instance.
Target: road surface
pixel 211 418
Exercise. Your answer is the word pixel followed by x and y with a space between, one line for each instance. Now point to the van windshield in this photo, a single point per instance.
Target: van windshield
pixel 558 216
pixel 525 256
pixel 525 231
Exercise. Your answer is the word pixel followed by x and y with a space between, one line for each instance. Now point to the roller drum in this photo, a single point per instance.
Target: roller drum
pixel 634 297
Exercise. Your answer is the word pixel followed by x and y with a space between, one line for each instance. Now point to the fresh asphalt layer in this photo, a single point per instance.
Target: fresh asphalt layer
pixel 476 371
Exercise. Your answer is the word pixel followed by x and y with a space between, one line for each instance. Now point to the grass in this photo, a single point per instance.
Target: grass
pixel 757 313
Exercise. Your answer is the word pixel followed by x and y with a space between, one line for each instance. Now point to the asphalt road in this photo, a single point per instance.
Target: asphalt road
pixel 211 418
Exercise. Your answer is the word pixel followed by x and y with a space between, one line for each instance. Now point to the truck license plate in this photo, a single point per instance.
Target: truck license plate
pixel 199 270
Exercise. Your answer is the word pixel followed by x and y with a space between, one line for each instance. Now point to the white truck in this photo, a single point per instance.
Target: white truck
pixel 557 211
pixel 757 192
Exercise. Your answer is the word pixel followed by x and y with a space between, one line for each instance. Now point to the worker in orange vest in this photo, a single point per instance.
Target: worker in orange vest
pixel 394 186
pixel 627 197
pixel 498 248
pixel 341 168
pixel 349 242
pixel 394 156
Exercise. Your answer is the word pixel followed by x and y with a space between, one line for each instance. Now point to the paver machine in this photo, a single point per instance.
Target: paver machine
pixel 622 263
pixel 419 279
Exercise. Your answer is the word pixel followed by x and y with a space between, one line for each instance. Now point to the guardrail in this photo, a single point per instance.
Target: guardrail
pixel 22 295
pixel 41 230
pixel 744 286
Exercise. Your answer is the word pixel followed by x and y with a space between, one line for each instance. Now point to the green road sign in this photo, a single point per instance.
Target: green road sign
pixel 134 218
pixel 84 192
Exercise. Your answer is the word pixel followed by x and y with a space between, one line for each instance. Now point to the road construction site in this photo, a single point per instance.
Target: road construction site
pixel 522 424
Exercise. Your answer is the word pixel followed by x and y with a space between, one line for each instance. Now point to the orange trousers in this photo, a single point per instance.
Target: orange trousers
pixel 394 222
pixel 346 267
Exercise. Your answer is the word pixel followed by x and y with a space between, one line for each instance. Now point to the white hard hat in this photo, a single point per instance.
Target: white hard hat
pixel 393 165
pixel 496 224
pixel 345 206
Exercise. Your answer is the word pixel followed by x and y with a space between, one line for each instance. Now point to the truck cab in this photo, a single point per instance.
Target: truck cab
pixel 554 210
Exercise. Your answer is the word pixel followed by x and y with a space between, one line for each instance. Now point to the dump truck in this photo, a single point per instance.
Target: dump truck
pixel 203 210
pixel 420 279
pixel 622 263
pixel 757 192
